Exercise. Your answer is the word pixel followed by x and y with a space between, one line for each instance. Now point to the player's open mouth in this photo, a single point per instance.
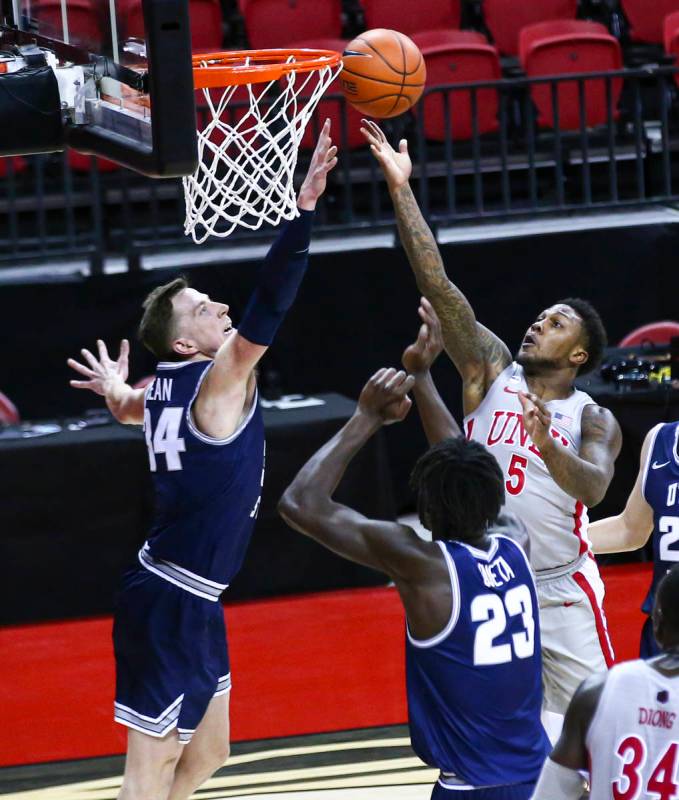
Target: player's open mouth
pixel 228 330
pixel 528 341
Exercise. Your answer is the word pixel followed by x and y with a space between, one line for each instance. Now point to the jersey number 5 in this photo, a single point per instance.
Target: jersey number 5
pixel 489 610
pixel 517 474
pixel 165 439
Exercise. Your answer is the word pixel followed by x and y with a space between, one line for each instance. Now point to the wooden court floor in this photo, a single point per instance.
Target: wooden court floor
pixel 370 764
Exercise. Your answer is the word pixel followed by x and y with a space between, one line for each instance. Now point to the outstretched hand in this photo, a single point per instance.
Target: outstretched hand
pixel 396 166
pixel 537 419
pixel 103 373
pixel 418 357
pixel 323 160
pixel 385 396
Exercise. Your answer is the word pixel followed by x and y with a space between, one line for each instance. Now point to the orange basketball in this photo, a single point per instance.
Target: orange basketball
pixel 383 73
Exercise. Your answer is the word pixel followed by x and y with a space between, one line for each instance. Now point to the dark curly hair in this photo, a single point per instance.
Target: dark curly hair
pixel 595 333
pixel 460 489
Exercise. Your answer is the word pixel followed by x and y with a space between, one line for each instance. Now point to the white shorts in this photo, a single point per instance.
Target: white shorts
pixel 573 630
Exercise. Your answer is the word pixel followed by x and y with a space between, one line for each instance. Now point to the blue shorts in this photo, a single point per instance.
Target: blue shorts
pixel 514 791
pixel 171 656
pixel 648 647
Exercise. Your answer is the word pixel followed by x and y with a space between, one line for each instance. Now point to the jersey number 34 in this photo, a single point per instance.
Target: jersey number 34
pixel 165 439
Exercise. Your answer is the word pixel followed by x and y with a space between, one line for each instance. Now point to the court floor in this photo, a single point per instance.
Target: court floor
pixel 370 764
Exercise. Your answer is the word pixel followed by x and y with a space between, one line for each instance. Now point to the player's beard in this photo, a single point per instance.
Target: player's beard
pixel 536 366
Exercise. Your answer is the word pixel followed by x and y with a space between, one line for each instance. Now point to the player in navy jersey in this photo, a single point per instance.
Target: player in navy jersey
pixel 473 639
pixel 205 440
pixel 652 509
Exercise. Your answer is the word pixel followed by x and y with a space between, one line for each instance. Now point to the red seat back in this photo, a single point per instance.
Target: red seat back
pixel 654 332
pixel 560 48
pixel 412 17
pixel 281 23
pixel 19 164
pixel 86 21
pixel 344 134
pixel 506 18
pixel 461 62
pixel 81 162
pixel 646 18
pixel 671 27
pixel 207 34
pixel 9 414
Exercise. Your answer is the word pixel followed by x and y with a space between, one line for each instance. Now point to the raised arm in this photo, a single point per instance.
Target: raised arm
pixel 585 476
pixel 475 356
pixel 417 567
pixel 108 378
pixel 630 529
pixel 417 358
pixel 279 279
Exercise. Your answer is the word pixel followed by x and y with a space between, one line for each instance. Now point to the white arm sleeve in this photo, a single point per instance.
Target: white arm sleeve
pixel 558 783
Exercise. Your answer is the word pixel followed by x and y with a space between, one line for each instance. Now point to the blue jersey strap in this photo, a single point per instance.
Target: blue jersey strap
pixel 279 280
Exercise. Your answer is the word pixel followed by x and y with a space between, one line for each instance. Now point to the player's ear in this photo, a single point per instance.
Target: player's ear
pixel 579 356
pixel 184 347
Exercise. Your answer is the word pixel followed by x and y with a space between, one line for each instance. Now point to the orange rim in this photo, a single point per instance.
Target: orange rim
pixel 229 68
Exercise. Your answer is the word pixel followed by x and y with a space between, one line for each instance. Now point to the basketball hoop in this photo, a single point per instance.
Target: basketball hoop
pixel 246 163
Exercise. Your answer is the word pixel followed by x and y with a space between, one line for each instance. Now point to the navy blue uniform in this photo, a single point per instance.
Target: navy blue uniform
pixel 169 634
pixel 661 492
pixel 475 691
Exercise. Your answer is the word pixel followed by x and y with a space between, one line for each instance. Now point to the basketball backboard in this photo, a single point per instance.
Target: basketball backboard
pixel 124 75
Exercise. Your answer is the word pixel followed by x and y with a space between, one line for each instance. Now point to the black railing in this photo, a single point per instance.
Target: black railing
pixel 481 151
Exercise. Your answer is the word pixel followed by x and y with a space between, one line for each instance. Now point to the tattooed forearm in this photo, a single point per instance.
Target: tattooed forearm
pixel 587 476
pixel 458 324
pixel 495 352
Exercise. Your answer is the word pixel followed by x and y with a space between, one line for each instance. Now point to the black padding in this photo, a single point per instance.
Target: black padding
pixel 30 112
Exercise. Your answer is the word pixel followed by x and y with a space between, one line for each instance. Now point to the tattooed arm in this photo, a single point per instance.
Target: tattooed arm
pixel 477 354
pixel 585 476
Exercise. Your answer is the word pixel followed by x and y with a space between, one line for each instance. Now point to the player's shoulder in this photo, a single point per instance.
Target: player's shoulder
pixel 599 422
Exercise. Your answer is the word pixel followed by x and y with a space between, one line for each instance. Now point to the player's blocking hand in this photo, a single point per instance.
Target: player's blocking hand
pixel 418 357
pixel 396 166
pixel 323 160
pixel 537 419
pixel 385 396
pixel 102 372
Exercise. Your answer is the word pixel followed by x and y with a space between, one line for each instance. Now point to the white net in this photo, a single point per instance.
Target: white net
pixel 247 156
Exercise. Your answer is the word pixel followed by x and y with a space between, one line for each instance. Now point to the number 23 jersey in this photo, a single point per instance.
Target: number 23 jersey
pixel 556 522
pixel 207 491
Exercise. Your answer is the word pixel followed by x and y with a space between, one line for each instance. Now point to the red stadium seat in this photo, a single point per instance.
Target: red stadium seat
pixel 282 23
pixel 9 415
pixel 412 17
pixel 440 36
pixel 646 18
pixel 20 164
pixel 671 26
pixel 206 24
pixel 80 162
pixel 350 137
pixel 85 21
pixel 463 58
pixel 561 47
pixel 506 18
pixel 654 332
